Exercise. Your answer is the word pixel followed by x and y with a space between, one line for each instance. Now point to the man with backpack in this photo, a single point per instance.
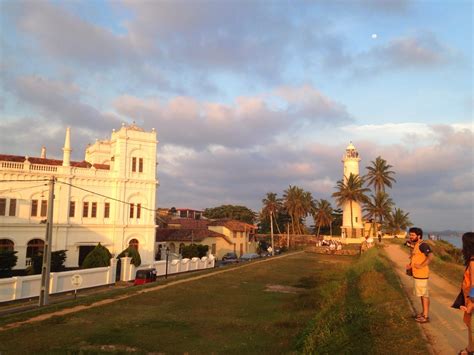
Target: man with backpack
pixel 421 256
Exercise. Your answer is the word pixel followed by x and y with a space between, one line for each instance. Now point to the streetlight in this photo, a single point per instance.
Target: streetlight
pixel 167 255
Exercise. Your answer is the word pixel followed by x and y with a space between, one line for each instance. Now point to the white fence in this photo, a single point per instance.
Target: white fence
pixel 128 270
pixel 15 288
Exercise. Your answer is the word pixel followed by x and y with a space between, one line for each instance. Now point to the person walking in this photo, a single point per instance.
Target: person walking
pixel 468 288
pixel 421 256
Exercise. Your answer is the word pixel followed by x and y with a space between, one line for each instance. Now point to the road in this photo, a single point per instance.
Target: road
pixel 446 332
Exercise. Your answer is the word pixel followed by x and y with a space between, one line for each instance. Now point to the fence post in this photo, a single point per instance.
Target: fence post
pixel 125 268
pixel 112 271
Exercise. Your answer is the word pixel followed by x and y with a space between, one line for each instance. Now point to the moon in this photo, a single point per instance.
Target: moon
pixel 374 35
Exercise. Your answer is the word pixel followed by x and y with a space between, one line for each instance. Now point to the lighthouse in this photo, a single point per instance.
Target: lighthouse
pixel 351 161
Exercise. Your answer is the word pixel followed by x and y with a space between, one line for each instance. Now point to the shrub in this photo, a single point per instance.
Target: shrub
pixel 202 250
pixel 133 253
pixel 8 261
pixel 58 258
pixel 98 257
pixel 194 251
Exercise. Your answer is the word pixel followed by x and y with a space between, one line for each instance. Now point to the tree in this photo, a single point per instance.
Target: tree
pixel 379 175
pixel 378 208
pixel 397 221
pixel 271 207
pixel 98 257
pixel 8 261
pixel 350 191
pixel 240 213
pixel 133 253
pixel 194 251
pixel 297 203
pixel 58 258
pixel 322 214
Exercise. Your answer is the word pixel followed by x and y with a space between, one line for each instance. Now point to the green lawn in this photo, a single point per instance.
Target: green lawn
pixel 341 305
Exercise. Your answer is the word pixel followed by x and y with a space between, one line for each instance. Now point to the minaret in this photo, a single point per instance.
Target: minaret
pixel 67 148
pixel 351 165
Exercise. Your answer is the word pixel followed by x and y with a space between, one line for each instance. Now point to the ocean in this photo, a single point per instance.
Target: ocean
pixel 453 239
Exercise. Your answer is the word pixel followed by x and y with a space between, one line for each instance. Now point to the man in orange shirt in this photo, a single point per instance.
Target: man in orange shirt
pixel 421 256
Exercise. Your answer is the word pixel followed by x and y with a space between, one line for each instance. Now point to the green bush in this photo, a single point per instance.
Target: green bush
pixel 132 253
pixel 8 261
pixel 98 257
pixel 194 251
pixel 58 258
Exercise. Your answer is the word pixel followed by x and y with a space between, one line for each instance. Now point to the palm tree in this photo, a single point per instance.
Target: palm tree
pixel 271 206
pixel 398 221
pixel 379 174
pixel 296 202
pixel 378 208
pixel 322 214
pixel 351 190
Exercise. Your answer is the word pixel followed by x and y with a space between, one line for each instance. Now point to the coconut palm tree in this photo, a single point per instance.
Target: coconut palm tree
pixel 295 201
pixel 351 190
pixel 379 174
pixel 271 206
pixel 398 221
pixel 322 214
pixel 378 208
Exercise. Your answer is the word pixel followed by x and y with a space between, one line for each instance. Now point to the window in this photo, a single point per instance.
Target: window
pixel 72 208
pixel 44 208
pixel 34 247
pixel 107 210
pixel 139 210
pixel 34 208
pixel 85 209
pixel 356 218
pixel 12 210
pixel 213 249
pixel 132 207
pixel 134 164
pixel 140 165
pixel 3 206
pixel 6 245
pixel 94 210
pixel 181 247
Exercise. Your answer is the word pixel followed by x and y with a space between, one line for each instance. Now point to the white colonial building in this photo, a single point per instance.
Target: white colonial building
pixel 108 198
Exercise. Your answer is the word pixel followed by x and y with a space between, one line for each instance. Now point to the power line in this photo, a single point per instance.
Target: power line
pixel 21 188
pixel 24 180
pixel 105 196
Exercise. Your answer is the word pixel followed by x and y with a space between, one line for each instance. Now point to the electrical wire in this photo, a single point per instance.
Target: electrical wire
pixel 24 180
pixel 21 188
pixel 105 196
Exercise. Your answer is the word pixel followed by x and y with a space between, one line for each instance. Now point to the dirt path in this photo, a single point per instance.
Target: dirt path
pixel 446 332
pixel 146 290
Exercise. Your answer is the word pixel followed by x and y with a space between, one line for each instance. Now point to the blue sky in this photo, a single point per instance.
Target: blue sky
pixel 249 97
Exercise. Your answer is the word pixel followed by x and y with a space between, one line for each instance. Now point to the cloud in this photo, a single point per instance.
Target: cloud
pixel 248 121
pixel 61 34
pixel 61 101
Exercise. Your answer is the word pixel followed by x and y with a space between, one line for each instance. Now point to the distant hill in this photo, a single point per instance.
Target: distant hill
pixel 447 232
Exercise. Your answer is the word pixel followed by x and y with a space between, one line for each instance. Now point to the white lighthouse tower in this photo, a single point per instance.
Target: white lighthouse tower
pixel 351 166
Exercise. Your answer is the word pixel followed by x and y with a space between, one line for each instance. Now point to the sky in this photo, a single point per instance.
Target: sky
pixel 250 97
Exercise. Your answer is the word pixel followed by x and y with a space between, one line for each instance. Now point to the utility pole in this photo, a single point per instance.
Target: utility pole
pixel 45 269
pixel 288 238
pixel 271 231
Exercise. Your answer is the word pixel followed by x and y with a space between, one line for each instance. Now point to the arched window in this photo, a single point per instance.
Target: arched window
pixel 6 245
pixel 133 243
pixel 172 248
pixel 34 246
pixel 181 246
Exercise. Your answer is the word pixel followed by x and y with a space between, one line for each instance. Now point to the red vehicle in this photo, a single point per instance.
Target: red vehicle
pixel 145 276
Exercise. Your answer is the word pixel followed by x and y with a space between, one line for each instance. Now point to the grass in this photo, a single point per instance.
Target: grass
pixel 342 305
pixel 367 313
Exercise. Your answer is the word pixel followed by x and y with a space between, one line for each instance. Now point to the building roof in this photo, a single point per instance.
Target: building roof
pixel 188 222
pixel 186 235
pixel 56 162
pixel 233 225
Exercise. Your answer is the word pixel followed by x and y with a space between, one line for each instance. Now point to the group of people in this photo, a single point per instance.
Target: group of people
pixel 331 245
pixel 418 267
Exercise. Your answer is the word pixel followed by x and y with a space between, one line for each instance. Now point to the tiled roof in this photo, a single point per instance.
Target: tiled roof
pixel 188 222
pixel 56 162
pixel 186 235
pixel 233 225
